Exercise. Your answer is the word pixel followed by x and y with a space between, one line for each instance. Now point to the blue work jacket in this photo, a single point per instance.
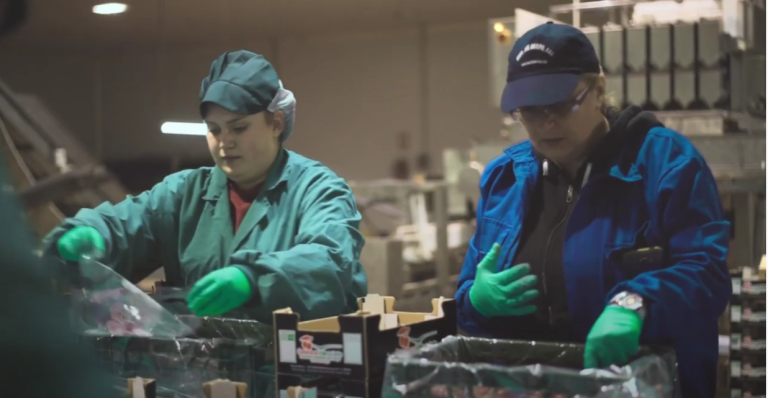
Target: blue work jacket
pixel 662 192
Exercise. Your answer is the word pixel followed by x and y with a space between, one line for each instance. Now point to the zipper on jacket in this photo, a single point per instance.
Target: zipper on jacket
pixel 568 202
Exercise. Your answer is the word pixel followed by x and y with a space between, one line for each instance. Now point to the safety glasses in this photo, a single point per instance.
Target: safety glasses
pixel 561 110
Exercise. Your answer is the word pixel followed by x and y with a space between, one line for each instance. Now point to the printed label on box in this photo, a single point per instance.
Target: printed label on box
pixel 322 354
pixel 287 346
pixel 353 348
pixel 406 341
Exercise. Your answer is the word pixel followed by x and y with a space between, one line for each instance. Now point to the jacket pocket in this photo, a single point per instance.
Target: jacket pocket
pixel 631 257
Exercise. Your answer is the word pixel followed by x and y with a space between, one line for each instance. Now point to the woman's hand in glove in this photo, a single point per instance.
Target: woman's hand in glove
pixel 614 338
pixel 505 293
pixel 219 292
pixel 80 241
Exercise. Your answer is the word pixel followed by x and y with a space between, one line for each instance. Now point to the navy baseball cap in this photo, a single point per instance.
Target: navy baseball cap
pixel 545 65
pixel 241 82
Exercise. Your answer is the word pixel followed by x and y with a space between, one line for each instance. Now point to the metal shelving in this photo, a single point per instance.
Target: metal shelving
pixel 747 369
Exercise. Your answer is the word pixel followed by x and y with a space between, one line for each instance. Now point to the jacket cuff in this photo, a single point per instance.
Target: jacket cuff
pixel 473 313
pixel 253 280
pixel 50 243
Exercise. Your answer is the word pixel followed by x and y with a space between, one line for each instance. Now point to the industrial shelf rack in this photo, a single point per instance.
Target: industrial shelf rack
pixel 747 369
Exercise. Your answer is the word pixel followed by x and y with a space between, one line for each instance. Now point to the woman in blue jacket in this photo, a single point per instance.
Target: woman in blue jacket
pixel 604 228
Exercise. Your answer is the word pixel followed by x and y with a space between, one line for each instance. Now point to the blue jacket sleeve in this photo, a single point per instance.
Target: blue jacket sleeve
pixel 470 320
pixel 696 286
pixel 131 229
pixel 321 276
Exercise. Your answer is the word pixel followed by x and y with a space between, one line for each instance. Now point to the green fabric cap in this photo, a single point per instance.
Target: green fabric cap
pixel 241 82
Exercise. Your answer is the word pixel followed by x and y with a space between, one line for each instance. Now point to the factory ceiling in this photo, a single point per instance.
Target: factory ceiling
pixel 70 25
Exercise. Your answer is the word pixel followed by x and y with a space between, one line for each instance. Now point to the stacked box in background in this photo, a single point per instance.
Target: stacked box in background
pixel 346 355
pixel 460 367
pixel 231 349
pixel 747 332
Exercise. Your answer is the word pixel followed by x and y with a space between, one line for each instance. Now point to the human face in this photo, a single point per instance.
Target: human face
pixel 243 146
pixel 563 132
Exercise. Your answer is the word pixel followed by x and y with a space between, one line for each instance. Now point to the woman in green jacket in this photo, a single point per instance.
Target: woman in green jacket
pixel 264 229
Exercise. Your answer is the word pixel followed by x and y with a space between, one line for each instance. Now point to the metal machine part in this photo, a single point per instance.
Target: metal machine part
pixel 741 19
pixel 701 64
pixel 31 139
pixel 412 258
pixel 62 185
pixel 469 181
pixel 462 172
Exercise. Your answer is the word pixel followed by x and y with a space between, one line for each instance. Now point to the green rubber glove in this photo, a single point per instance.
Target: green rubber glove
pixel 79 241
pixel 614 338
pixel 505 293
pixel 219 292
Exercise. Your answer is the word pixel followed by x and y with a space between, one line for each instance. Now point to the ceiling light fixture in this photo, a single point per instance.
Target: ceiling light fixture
pixel 109 8
pixel 184 128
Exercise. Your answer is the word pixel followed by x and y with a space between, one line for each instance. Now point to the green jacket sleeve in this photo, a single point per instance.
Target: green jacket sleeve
pixel 321 275
pixel 131 228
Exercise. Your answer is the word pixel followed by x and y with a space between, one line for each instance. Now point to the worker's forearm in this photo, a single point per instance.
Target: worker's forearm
pixel 312 279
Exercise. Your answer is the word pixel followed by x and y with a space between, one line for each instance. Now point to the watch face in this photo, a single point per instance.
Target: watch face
pixel 629 301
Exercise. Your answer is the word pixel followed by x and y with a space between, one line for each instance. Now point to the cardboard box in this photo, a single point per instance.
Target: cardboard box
pixel 225 389
pixel 347 354
pixel 294 386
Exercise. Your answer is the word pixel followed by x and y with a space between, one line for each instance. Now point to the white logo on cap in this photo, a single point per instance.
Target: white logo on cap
pixel 534 47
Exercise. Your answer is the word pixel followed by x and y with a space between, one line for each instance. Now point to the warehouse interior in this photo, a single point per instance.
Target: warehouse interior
pixel 400 99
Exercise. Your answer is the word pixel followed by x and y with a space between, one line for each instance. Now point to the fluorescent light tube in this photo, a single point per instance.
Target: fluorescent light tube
pixel 184 128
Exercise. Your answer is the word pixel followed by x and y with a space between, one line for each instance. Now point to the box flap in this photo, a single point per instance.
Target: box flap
pixel 301 392
pixel 375 304
pixel 138 388
pixel 437 309
pixel 225 389
pixel 141 388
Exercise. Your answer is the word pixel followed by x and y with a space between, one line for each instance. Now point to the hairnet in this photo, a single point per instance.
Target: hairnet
pixel 286 102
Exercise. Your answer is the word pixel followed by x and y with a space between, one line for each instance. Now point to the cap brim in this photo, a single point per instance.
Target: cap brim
pixel 231 97
pixel 538 90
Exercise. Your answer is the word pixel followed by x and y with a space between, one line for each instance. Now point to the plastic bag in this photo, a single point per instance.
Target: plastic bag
pixel 108 305
pixel 221 348
pixel 463 367
pixel 174 299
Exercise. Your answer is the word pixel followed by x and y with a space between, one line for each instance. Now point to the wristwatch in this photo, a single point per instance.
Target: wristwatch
pixel 630 301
